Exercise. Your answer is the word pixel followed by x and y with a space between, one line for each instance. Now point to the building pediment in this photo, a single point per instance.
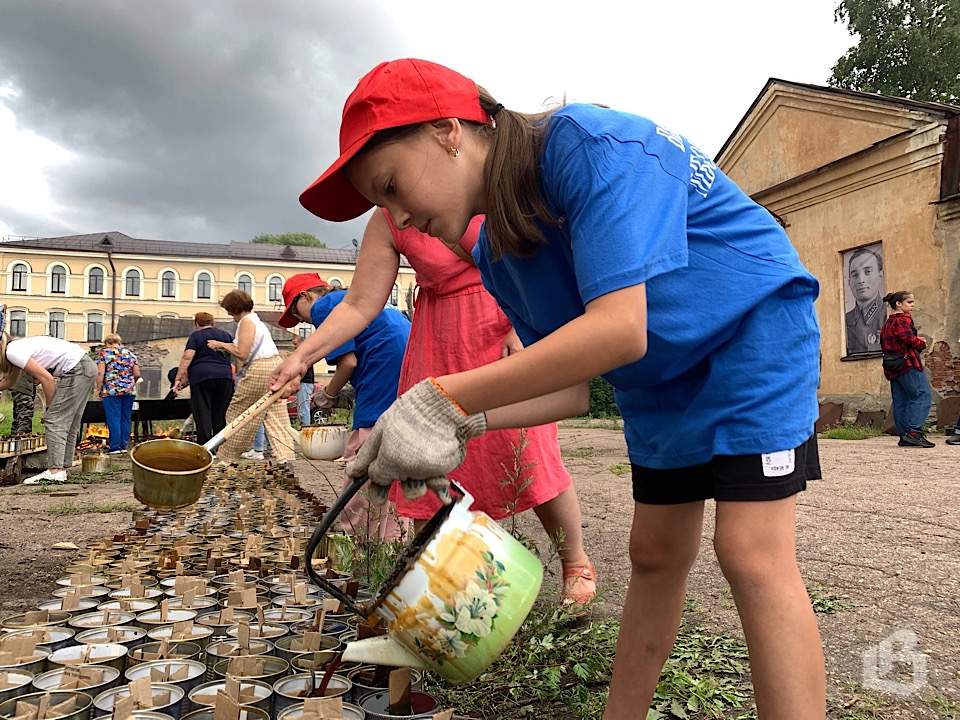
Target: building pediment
pixel 792 129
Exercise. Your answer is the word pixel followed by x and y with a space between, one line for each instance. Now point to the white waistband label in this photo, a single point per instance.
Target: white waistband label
pixel 778 464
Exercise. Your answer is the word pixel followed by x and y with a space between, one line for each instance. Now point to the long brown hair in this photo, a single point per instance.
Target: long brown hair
pixel 511 179
pixel 511 175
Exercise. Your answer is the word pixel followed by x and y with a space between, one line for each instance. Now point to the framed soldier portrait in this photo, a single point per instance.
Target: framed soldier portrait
pixel 863 291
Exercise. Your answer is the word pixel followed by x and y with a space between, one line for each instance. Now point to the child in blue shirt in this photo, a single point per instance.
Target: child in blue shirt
pixel 371 363
pixel 616 248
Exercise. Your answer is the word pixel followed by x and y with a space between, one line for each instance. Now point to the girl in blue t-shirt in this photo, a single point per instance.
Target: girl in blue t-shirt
pixel 370 362
pixel 616 248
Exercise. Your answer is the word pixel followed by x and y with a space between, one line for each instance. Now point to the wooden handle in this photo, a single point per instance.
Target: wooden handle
pixel 246 416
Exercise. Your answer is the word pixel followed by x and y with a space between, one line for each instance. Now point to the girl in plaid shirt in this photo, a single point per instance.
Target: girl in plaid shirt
pixel 908 386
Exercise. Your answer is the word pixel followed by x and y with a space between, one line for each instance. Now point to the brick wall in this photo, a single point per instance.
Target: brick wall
pixel 944 370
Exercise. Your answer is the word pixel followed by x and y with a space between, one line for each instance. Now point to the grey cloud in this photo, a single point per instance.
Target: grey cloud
pixel 205 119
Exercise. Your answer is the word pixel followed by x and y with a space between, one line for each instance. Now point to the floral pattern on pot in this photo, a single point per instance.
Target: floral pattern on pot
pixel 468 616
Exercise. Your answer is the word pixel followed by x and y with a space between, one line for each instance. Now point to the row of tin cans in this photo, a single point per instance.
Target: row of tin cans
pixel 249 611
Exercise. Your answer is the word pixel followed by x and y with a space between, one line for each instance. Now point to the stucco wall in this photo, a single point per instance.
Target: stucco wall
pixel 844 173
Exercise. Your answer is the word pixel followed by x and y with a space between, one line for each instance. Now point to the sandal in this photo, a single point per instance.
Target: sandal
pixel 579 586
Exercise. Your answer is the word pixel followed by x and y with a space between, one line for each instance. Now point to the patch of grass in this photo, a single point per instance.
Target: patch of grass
pixel 6 407
pixel 849 431
pixel 704 677
pixel 825 604
pixel 580 452
pixel 553 660
pixel 69 508
pixel 620 468
pixel 943 706
pixel 123 476
pixel 559 666
pixel 862 704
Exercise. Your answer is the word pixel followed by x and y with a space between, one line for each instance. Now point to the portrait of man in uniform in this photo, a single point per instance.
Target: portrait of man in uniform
pixel 865 310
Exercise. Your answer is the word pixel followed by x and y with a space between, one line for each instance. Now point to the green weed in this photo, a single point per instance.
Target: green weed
pixel 704 677
pixel 620 468
pixel 943 706
pixel 849 431
pixel 828 604
pixel 557 666
pixel 862 704
pixel 581 452
pixel 69 508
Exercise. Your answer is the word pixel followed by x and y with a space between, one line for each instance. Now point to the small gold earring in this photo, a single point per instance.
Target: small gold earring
pixel 455 152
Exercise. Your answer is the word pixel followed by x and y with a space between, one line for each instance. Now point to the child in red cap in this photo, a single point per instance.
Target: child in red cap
pixel 371 363
pixel 601 228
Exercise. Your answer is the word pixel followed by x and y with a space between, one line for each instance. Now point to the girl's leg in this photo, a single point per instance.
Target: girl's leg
pixel 756 547
pixel 664 541
pixel 360 517
pixel 561 519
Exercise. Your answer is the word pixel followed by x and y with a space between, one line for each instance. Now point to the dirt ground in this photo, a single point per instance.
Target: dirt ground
pixel 878 539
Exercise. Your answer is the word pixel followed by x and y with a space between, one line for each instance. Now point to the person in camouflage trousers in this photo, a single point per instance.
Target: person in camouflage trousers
pixel 24 394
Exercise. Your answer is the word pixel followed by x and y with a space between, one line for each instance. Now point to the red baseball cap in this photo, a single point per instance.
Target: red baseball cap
pixel 393 94
pixel 292 288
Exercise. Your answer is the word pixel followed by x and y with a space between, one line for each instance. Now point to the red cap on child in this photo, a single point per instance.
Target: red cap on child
pixel 292 288
pixel 393 94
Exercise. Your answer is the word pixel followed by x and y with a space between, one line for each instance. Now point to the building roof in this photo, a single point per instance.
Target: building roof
pixel 121 244
pixel 946 111
pixel 133 328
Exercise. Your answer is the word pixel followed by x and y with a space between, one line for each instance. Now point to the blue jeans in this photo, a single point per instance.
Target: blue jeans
pixel 303 402
pixel 118 409
pixel 911 401
pixel 260 439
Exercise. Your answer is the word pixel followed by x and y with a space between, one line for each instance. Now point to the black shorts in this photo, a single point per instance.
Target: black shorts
pixel 730 477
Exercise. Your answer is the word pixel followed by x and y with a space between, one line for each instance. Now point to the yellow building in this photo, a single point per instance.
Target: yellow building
pixel 78 287
pixel 862 181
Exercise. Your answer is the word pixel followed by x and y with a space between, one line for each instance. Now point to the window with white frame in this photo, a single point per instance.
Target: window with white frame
pixel 276 289
pixel 132 284
pixel 168 284
pixel 94 327
pixel 245 283
pixel 95 282
pixel 58 324
pixel 335 282
pixel 20 275
pixel 204 283
pixel 58 279
pixel 395 295
pixel 18 323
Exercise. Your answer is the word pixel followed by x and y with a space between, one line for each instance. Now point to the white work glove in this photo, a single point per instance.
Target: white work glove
pixel 418 440
pixel 323 401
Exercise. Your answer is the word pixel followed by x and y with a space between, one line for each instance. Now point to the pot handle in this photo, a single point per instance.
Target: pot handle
pixel 319 532
pixel 258 407
pixel 327 522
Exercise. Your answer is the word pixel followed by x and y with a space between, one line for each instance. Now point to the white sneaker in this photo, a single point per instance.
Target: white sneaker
pixel 252 455
pixel 46 476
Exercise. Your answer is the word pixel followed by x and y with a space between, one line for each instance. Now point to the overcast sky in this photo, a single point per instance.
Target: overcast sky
pixel 203 121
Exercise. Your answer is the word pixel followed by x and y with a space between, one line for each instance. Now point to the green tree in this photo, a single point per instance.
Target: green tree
pixel 906 48
pixel 302 239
